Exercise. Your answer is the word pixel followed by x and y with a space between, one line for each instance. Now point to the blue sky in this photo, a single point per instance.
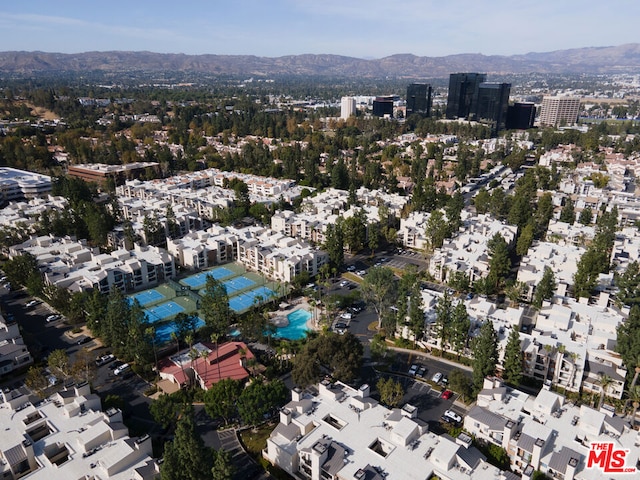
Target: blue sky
pixel 358 28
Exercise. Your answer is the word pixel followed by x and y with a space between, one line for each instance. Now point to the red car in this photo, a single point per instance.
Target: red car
pixel 447 394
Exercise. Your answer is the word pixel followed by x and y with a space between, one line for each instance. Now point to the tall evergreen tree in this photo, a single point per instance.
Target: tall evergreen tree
pixel 460 325
pixel 544 289
pixel 186 457
pixel 485 354
pixel 215 306
pixel 512 361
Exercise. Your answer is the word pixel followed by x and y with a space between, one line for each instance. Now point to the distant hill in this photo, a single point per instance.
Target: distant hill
pixel 594 60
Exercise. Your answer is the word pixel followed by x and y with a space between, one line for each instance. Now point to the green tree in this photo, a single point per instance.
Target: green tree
pixel 222 398
pixel 628 284
pixel 416 313
pixel 379 288
pixel 568 214
pixel 215 306
pixel 391 392
pixel 260 399
pixel 36 381
pixel 165 410
pixel 545 289
pixel 525 239
pixel 378 347
pixel 459 382
pixel 485 354
pixel 459 281
pixel 586 216
pixel 186 457
pixel 59 364
pixel 482 201
pixel 223 468
pixel 512 366
pixel 334 244
pixel 355 231
pixel 499 262
pixel 628 346
pixel 460 325
pixel 444 313
pixel 21 268
pixel 436 230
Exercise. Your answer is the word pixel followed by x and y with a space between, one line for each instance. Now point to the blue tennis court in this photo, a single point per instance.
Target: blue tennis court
pixel 162 311
pixel 199 280
pixel 246 300
pixel 236 284
pixel 164 331
pixel 147 297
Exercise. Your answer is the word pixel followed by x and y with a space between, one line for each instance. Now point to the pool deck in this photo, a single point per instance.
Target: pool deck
pixel 279 317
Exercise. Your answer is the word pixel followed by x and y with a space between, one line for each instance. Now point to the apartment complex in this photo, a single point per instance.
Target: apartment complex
pixel 547 433
pixel 13 352
pixel 337 432
pixel 20 184
pixel 559 110
pixel 67 436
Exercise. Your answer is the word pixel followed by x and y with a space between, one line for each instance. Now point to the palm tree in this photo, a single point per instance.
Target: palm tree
pixel 634 397
pixel 637 372
pixel 204 355
pixel 605 382
pixel 214 338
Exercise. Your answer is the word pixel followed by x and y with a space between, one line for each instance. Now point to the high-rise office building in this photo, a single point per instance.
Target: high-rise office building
pixel 491 104
pixel 419 99
pixel 559 110
pixel 521 115
pixel 383 106
pixel 347 107
pixel 463 91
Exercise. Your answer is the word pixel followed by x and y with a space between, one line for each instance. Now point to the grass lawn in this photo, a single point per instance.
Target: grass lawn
pixel 256 441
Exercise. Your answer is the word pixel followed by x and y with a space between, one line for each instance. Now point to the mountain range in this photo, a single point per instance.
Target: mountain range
pixel 593 60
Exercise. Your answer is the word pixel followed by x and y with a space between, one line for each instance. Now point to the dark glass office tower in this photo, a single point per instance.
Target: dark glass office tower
pixel 383 106
pixel 419 99
pixel 520 116
pixel 491 105
pixel 463 90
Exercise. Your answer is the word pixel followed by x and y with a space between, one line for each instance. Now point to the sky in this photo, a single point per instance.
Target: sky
pixel 355 28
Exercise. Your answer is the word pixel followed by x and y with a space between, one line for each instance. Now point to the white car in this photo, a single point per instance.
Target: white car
pixel 453 416
pixel 104 359
pixel 53 318
pixel 32 303
pixel 121 369
pixel 346 316
pixel 436 377
pixel 413 369
pixel 343 284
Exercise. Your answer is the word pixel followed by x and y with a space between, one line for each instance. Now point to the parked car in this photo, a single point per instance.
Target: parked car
pixel 413 369
pixel 343 284
pixel 83 340
pixel 421 371
pixel 447 394
pixel 436 377
pixel 453 416
pixel 361 273
pixel 351 268
pixel 341 327
pixel 346 316
pixel 32 303
pixel 121 369
pixel 104 359
pixel 53 318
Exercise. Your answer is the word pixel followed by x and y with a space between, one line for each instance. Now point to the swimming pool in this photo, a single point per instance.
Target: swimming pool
pixel 297 327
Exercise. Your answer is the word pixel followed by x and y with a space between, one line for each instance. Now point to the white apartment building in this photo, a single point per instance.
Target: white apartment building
pixel 341 433
pixel 572 346
pixel 556 111
pixel 67 436
pixel 13 352
pixel 73 265
pixel 272 254
pixel 26 214
pixel 561 259
pixel 347 107
pixel 546 433
pixel 468 252
pixel 19 184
